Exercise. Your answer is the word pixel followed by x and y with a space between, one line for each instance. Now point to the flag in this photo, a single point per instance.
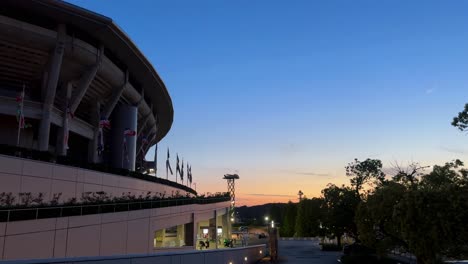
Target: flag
pixel 19 111
pixel 129 132
pixel 70 113
pixel 168 164
pixel 104 123
pixel 20 115
pixel 187 174
pixel 177 167
pixel 182 172
pixel 125 151
pixel 190 174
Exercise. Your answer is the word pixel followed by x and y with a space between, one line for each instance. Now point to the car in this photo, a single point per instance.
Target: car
pixel 244 229
pixel 357 249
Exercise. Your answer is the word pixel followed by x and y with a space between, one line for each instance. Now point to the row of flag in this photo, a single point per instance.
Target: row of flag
pixel 179 169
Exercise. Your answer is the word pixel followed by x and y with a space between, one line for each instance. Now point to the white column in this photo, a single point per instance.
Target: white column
pixel 49 92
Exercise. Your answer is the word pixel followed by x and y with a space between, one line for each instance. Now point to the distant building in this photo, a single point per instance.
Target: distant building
pixel 80 105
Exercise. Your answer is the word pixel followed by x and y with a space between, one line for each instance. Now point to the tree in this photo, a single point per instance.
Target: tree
pixel 461 121
pixel 339 204
pixel 374 218
pixel 410 175
pixel 309 214
pixel 365 172
pixel 427 217
pixel 289 220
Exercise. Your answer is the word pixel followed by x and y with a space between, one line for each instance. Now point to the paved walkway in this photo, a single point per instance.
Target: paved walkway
pixel 305 252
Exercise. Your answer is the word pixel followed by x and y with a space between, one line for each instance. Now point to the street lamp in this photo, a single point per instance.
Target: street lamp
pixel 266 218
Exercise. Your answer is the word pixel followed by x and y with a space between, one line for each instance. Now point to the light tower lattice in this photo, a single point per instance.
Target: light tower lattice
pixel 231 181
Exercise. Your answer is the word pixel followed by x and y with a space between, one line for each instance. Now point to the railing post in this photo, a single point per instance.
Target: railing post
pixel 37 213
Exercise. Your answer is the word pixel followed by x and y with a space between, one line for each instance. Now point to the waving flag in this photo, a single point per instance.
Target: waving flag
pixel 177 167
pixel 103 123
pixel 168 164
pixel 129 132
pixel 190 174
pixel 19 114
pixel 182 172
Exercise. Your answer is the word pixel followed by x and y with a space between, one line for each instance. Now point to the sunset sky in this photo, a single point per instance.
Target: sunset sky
pixel 286 93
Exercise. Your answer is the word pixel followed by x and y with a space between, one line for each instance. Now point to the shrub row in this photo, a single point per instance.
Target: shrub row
pixel 42 212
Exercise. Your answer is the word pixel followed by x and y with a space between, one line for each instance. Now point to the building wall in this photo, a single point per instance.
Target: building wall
pixel 108 234
pixel 222 256
pixel 23 175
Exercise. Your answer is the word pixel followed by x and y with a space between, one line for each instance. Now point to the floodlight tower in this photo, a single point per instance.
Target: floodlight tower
pixel 300 193
pixel 231 180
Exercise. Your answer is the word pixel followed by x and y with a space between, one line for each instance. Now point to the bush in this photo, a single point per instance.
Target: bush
pixel 331 247
pixel 366 259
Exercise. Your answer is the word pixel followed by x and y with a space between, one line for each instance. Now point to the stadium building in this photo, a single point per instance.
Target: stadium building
pixel 80 106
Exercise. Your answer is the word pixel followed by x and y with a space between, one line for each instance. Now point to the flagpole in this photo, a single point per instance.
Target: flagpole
pixel 21 116
pixel 123 151
pixel 167 176
pixel 156 160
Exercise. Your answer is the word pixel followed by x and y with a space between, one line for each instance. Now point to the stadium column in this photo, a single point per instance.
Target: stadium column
pixel 123 148
pixel 50 88
pixel 106 112
pixel 216 228
pixel 61 140
pixel 226 222
pixel 73 102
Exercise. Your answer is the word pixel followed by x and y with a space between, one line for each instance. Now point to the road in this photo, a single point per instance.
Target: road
pixel 305 252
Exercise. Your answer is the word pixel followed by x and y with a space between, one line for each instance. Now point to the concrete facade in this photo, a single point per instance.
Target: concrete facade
pixel 245 255
pixel 23 175
pixel 96 235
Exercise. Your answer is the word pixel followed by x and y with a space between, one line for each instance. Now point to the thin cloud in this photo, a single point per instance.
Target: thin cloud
pixel 308 173
pixel 429 91
pixel 453 150
pixel 276 195
pixel 313 174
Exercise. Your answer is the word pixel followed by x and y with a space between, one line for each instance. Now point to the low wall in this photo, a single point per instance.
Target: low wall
pixel 244 255
pixel 106 234
pixel 24 175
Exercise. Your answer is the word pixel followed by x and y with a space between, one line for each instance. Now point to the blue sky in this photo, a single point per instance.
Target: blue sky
pixel 288 92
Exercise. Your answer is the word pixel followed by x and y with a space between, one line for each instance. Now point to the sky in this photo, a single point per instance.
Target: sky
pixel 286 93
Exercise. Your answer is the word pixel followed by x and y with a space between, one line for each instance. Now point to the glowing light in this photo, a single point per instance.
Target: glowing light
pixel 272 224
pixel 245 258
pixel 205 231
pixel 261 252
pixel 266 218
